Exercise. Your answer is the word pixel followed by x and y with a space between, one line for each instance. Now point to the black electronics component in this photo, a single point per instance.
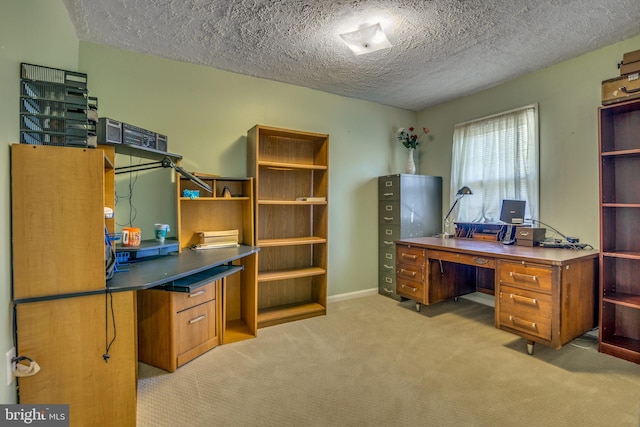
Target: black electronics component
pixel 109 131
pixel 134 135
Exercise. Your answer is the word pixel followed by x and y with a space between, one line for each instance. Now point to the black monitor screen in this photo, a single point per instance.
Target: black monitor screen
pixel 512 211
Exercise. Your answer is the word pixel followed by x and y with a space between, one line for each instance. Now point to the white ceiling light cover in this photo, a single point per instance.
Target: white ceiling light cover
pixel 366 39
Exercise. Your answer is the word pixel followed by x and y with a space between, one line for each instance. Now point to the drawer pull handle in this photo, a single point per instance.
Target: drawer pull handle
pixel 387 290
pixel 408 273
pixel 410 256
pixel 479 260
pixel 196 294
pixel 520 298
pixel 388 218
pixel 409 287
pixel 387 267
pixel 388 243
pixel 523 276
pixel 388 194
pixel 197 319
pixel 531 325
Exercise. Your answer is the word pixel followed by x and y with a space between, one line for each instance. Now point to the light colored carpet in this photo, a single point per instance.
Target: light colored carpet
pixel 373 361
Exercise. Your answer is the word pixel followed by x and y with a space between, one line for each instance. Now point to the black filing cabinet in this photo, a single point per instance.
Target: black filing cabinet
pixel 409 206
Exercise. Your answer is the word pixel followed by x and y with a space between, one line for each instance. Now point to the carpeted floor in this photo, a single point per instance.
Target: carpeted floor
pixel 375 362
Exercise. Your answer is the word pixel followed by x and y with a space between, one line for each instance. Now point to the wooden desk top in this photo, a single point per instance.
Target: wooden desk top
pixel 542 255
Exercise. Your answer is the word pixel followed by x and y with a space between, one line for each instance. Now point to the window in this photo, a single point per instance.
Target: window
pixel 497 157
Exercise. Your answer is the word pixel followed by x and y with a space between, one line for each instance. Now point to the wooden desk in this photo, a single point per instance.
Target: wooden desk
pixel 544 295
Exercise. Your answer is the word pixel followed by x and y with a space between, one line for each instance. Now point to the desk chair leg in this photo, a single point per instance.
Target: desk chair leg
pixel 530 345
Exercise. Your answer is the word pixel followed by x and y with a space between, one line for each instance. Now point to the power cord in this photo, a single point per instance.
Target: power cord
pixel 108 343
pixel 572 241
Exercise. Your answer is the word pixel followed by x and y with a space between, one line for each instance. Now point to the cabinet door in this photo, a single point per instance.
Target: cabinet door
pixel 67 339
pixel 57 220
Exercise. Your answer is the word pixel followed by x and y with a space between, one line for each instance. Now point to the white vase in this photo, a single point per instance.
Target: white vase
pixel 411 166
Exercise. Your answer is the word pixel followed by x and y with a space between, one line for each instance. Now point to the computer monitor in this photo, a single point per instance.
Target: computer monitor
pixel 512 211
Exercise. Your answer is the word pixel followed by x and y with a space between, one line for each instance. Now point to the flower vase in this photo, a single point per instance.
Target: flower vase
pixel 411 166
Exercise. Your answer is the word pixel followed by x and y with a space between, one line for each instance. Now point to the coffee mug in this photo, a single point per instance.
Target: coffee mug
pixel 160 231
pixel 131 236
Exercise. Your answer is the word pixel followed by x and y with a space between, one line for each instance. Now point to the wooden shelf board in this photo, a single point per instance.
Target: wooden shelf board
pixel 213 199
pixel 622 254
pixel 285 165
pixel 237 330
pixel 290 274
pixel 623 347
pixel 628 300
pixel 621 205
pixel 631 152
pixel 291 241
pixel 291 202
pixel 276 315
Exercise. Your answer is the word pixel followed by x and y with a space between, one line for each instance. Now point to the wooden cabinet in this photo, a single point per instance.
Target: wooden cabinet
pixel 619 142
pixel 410 271
pixel 291 179
pixel 57 220
pixel 176 327
pixel 58 199
pixel 408 206
pixel 219 211
pixel 547 303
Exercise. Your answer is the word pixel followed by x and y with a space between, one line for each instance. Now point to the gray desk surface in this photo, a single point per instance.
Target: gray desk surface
pixel 164 269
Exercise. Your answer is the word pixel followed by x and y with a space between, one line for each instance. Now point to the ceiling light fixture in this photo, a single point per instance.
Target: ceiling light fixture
pixel 366 39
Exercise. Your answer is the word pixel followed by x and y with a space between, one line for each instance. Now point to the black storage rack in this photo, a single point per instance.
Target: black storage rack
pixel 54 106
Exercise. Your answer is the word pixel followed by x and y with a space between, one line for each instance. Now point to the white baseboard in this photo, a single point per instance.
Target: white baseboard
pixel 350 295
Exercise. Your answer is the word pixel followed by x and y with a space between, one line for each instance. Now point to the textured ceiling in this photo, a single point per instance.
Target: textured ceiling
pixel 442 49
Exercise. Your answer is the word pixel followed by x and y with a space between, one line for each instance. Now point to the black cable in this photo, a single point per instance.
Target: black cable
pixel 108 344
pixel 572 245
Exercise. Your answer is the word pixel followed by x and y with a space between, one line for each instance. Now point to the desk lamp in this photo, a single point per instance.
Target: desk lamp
pixel 459 195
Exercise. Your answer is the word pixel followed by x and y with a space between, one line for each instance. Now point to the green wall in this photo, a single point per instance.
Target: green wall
pixel 568 95
pixel 206 114
pixel 37 32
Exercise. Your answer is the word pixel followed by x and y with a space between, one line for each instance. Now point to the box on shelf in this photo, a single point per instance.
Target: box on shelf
pixel 529 236
pixel 621 89
pixel 218 239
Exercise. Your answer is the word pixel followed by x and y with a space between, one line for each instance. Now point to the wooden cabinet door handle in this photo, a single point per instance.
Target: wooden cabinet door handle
pixel 523 276
pixel 409 287
pixel 526 300
pixel 197 319
pixel 196 294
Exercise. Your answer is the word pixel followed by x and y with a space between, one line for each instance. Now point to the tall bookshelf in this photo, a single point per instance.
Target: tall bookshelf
pixel 619 126
pixel 291 213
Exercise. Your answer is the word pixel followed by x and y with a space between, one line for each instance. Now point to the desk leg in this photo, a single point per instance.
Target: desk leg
pixel 418 305
pixel 530 345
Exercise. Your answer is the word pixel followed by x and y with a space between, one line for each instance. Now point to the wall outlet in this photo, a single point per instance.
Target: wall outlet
pixel 11 366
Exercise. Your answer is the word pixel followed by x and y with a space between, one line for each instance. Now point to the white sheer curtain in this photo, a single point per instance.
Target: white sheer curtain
pixel 497 157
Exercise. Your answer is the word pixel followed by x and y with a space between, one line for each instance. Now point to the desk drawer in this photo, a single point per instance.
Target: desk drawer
pixel 409 255
pixel 409 272
pixel 183 300
pixel 196 326
pixel 411 289
pixel 526 276
pixel 539 326
pixel 476 260
pixel 523 303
